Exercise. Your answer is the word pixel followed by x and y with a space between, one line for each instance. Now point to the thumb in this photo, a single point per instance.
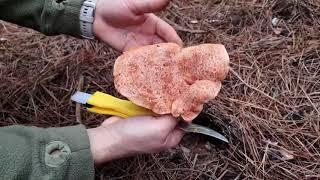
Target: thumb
pixel 146 6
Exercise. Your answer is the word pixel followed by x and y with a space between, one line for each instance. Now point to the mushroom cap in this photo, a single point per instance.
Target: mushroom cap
pixel 169 79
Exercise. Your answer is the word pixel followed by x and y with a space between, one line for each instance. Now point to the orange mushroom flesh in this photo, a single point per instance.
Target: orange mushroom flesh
pixel 169 79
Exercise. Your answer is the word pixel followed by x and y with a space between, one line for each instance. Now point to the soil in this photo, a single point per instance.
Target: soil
pixel 268 107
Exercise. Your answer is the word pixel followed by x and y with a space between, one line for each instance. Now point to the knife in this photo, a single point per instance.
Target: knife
pixel 106 104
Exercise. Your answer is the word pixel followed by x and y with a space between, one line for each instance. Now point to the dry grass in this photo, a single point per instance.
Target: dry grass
pixel 269 106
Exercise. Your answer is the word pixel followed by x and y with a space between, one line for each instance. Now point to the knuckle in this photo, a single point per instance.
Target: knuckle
pixel 170 145
pixel 162 138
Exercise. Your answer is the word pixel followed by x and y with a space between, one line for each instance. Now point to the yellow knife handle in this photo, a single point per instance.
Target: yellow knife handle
pixel 106 112
pixel 107 104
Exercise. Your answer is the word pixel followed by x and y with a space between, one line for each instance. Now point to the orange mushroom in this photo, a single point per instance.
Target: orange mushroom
pixel 169 79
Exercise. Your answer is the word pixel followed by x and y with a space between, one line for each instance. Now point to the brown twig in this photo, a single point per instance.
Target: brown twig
pixel 78 106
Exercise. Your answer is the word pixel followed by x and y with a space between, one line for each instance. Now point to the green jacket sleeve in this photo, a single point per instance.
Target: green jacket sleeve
pixel 54 153
pixel 51 17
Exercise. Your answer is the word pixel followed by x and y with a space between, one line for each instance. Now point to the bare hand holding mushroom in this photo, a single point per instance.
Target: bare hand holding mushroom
pixel 125 24
pixel 165 78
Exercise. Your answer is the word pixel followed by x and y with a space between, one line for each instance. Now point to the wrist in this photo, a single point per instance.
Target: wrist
pixel 104 145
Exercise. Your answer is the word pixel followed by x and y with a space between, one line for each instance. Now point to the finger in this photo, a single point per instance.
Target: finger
pixel 157 40
pixel 146 6
pixel 110 121
pixel 165 123
pixel 165 31
pixel 174 138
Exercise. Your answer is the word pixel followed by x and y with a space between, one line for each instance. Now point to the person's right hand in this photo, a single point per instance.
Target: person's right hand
pixel 117 138
pixel 126 24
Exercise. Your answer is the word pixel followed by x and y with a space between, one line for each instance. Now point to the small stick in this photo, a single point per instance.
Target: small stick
pixel 78 107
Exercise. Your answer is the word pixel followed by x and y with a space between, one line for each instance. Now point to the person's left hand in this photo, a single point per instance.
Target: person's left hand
pixel 126 24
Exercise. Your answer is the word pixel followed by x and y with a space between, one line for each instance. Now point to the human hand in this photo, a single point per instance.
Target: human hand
pixel 117 138
pixel 125 24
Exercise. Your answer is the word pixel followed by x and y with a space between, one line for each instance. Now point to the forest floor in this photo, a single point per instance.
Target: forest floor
pixel 269 106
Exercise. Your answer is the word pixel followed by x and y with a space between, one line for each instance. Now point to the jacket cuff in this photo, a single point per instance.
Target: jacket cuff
pixel 62 17
pixel 73 153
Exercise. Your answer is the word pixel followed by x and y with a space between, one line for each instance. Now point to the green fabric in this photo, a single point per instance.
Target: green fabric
pixel 50 17
pixel 36 153
pixel 54 153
